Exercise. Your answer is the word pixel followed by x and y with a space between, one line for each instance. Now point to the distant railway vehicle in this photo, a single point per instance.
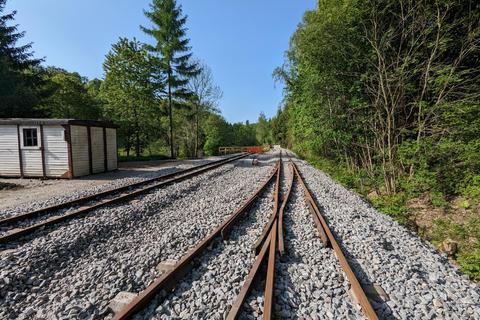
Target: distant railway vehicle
pixel 56 148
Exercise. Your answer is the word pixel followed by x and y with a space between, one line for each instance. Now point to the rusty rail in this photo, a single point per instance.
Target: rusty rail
pixel 281 244
pixel 17 234
pixel 167 280
pixel 266 242
pixel 276 198
pixel 356 287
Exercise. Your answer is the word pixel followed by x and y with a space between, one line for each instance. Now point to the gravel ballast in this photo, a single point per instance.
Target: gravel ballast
pixel 138 176
pixel 309 282
pixel 74 270
pixel 213 284
pixel 421 283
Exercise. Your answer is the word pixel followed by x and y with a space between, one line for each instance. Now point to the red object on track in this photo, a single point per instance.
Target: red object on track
pixel 255 149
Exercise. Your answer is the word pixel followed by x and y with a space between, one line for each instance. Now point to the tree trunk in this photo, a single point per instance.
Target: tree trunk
pixel 196 131
pixel 170 117
pixel 137 132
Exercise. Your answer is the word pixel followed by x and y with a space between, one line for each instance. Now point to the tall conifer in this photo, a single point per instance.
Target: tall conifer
pixel 19 83
pixel 172 50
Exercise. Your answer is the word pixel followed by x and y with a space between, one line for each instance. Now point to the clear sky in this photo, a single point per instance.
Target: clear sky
pixel 241 40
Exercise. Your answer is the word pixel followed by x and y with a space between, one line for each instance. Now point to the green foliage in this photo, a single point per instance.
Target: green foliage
pixel 470 263
pixel 467 235
pixel 70 97
pixel 172 66
pixel 263 130
pixel 21 85
pixel 217 134
pixel 384 97
pixel 128 95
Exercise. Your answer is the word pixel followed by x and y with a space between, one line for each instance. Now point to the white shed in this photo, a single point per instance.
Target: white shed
pixel 56 148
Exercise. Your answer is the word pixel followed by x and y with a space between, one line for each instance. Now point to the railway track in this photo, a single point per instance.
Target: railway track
pixel 268 248
pixel 16 227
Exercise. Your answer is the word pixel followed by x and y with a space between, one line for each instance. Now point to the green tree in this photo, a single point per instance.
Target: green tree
pixel 262 129
pixel 128 93
pixel 217 134
pixel 205 97
pixel 20 79
pixel 172 51
pixel 70 96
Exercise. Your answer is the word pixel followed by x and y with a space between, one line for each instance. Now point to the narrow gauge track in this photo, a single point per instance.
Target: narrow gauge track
pixel 270 241
pixel 169 279
pixel 22 225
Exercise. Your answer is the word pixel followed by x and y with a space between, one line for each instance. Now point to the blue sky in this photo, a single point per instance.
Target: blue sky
pixel 242 40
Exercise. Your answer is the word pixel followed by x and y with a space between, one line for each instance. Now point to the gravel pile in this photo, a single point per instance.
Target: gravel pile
pixel 212 286
pixel 420 282
pixel 74 270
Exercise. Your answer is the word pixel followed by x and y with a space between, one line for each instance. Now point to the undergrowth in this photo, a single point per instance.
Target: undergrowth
pixel 466 233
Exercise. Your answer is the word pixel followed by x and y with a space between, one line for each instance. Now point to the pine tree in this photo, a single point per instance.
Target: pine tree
pixel 19 81
pixel 172 51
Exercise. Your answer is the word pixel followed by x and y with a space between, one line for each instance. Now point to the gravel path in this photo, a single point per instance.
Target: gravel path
pixel 74 271
pixel 82 193
pixel 420 282
pixel 80 187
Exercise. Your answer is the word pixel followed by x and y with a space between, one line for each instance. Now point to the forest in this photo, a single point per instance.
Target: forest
pixel 384 96
pixel 164 100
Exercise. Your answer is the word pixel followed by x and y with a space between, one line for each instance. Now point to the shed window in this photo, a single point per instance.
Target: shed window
pixel 30 137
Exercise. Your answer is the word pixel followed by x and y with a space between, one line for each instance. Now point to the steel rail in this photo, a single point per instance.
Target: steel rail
pixel 167 280
pixel 357 289
pixel 121 198
pixel 281 244
pixel 247 285
pixel 46 210
pixel 267 240
pixel 270 280
pixel 312 207
pixel 276 197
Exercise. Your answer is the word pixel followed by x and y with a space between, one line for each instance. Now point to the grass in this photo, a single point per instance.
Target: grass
pixel 464 229
pixel 145 156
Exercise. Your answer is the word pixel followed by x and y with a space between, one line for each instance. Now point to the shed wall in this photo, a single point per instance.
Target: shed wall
pixel 9 159
pixel 80 158
pixel 111 148
pixel 56 151
pixel 98 151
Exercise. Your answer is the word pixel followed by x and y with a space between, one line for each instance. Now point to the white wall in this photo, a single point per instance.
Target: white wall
pixel 56 151
pixel 9 160
pixel 98 152
pixel 111 149
pixel 32 156
pixel 80 160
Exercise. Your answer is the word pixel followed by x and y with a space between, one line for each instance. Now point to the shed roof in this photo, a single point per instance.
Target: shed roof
pixel 53 122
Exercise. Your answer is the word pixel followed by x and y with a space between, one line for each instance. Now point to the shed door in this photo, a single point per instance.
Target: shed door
pixel 98 149
pixel 30 145
pixel 80 158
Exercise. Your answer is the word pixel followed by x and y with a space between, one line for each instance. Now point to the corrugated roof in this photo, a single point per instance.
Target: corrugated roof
pixel 53 122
